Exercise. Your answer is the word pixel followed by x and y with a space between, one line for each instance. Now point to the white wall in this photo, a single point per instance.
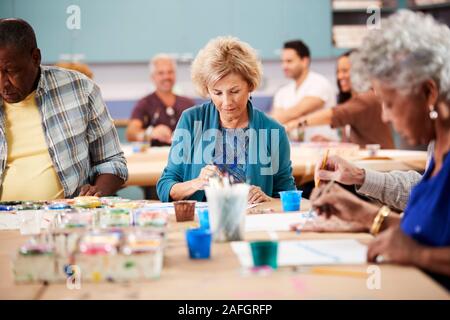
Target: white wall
pixel 131 81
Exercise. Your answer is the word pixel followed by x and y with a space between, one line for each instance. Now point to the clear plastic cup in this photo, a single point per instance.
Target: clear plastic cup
pixel 227 208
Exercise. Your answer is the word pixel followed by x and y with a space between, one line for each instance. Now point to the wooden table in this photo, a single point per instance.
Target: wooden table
pixel 145 168
pixel 221 277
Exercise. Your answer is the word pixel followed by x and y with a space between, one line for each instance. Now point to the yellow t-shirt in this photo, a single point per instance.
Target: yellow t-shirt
pixel 29 173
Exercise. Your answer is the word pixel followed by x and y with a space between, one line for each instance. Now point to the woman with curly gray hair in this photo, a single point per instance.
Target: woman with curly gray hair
pixel 407 63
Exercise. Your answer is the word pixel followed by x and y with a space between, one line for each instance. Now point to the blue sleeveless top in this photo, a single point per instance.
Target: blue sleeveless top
pixel 427 215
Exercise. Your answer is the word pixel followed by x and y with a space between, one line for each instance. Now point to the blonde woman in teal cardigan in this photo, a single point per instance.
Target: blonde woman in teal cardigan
pixel 227 136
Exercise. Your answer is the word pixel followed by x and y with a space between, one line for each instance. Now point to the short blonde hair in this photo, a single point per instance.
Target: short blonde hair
pixel 221 57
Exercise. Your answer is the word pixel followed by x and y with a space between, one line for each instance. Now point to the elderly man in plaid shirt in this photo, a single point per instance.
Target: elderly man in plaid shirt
pixel 57 139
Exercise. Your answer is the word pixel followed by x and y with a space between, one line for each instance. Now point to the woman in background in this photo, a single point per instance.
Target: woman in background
pixel 358 113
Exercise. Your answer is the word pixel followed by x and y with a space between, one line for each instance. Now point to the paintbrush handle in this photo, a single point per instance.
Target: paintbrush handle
pixel 323 166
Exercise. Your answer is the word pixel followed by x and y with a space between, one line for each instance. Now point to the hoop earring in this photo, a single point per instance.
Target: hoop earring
pixel 433 113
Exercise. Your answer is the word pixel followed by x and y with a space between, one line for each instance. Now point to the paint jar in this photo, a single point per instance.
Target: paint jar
pixel 144 217
pixel 115 217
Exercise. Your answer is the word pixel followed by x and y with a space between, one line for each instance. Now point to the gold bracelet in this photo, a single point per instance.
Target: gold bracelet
pixel 379 218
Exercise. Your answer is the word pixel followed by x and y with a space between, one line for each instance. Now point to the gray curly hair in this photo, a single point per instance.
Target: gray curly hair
pixel 409 49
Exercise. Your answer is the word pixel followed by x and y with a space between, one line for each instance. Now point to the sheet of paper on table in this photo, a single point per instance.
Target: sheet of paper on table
pixel 309 252
pixel 169 208
pixel 274 221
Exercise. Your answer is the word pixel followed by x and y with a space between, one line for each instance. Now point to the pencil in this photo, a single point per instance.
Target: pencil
pixel 324 164
pixel 338 272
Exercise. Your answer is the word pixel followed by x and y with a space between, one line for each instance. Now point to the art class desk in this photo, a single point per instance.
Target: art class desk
pixel 145 168
pixel 221 277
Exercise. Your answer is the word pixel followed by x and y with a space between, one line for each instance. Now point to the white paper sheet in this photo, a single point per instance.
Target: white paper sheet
pixel 274 221
pixel 170 209
pixel 168 206
pixel 309 252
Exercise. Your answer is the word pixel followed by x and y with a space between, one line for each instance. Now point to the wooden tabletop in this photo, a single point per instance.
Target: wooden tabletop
pixel 145 168
pixel 222 277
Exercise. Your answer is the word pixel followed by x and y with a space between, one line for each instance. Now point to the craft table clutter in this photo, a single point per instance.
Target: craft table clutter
pixel 107 239
pixel 145 253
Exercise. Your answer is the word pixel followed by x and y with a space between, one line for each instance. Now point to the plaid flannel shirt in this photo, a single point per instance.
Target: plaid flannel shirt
pixel 80 134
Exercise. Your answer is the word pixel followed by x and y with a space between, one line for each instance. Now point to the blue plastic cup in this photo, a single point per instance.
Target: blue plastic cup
pixel 203 218
pixel 290 200
pixel 199 243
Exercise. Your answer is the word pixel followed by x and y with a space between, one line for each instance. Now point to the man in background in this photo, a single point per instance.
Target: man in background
pixel 308 92
pixel 155 116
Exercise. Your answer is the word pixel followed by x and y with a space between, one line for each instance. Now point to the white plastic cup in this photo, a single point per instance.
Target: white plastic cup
pixel 30 222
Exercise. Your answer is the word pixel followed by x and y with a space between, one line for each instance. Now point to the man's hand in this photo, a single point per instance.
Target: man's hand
pixel 161 133
pixel 105 185
pixel 90 190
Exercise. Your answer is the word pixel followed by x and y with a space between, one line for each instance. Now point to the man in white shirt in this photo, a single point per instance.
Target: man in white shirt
pixel 308 92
